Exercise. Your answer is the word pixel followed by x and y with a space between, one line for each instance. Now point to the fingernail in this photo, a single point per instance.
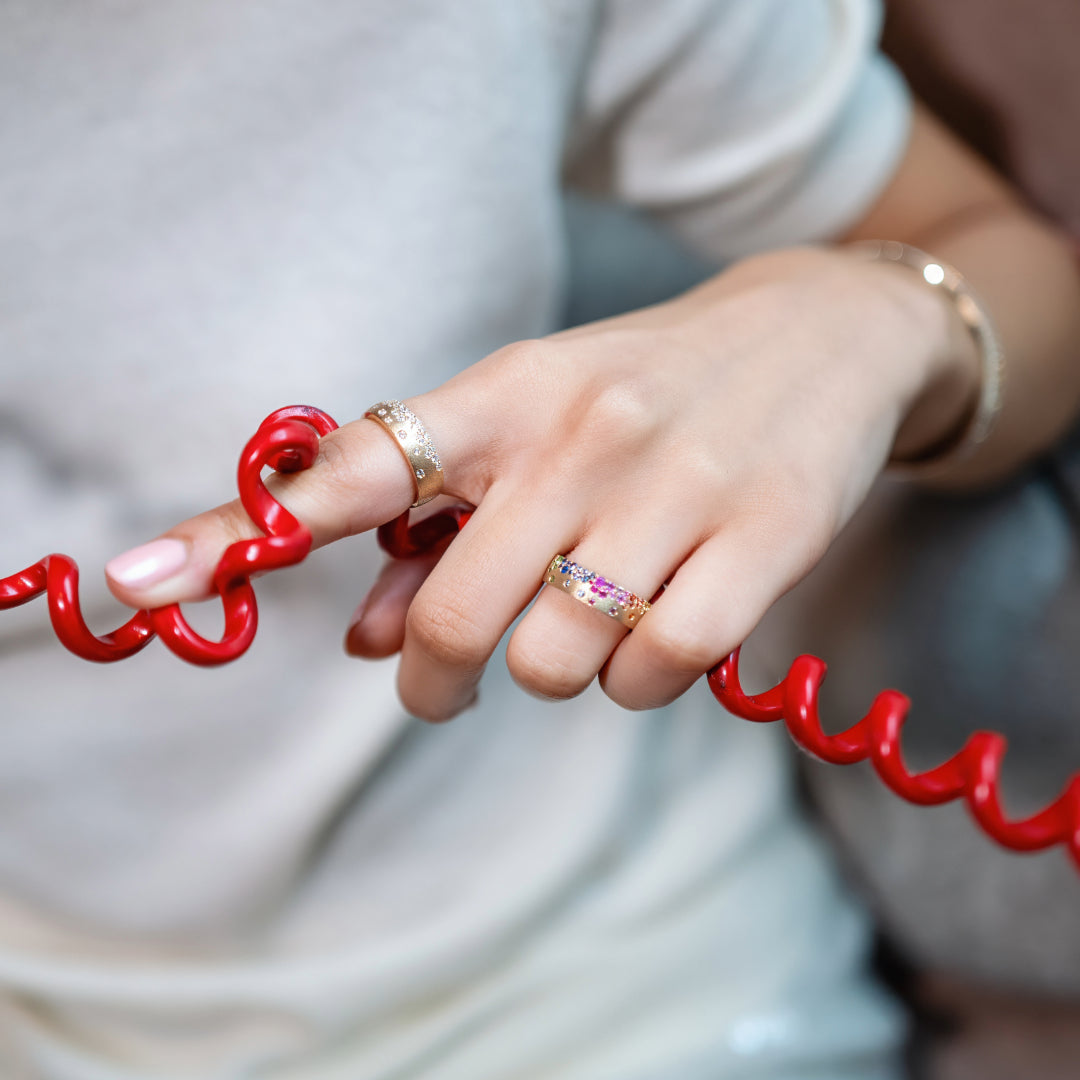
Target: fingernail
pixel 149 564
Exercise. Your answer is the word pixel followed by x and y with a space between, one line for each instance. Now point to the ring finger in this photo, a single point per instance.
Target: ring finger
pixel 561 644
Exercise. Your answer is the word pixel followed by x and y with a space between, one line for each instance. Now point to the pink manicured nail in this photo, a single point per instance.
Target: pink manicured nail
pixel 149 564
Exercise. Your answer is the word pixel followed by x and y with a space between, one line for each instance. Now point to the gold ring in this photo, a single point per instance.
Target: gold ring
pixel 596 591
pixel 412 439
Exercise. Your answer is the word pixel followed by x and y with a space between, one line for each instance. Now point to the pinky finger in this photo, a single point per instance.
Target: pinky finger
pixel 377 628
pixel 711 605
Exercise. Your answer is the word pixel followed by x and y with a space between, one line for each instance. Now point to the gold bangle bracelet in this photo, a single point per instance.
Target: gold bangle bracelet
pixel 976 318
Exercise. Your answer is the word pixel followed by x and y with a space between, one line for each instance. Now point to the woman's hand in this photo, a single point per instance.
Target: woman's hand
pixel 716 443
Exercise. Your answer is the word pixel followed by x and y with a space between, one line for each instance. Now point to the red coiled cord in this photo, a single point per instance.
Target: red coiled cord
pixel 972 774
pixel 288 441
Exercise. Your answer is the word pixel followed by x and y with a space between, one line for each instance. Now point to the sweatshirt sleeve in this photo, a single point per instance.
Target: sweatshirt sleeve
pixel 743 125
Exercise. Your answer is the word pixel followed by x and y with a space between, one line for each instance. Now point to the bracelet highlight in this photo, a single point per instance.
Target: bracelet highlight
pixel 288 441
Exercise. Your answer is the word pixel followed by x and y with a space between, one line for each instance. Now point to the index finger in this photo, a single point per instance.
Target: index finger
pixel 358 480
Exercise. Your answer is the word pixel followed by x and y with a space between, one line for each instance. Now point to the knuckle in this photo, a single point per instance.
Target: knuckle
pixel 528 365
pixel 508 396
pixel 326 491
pixel 340 469
pixel 333 460
pixel 525 354
pixel 445 633
pixel 621 413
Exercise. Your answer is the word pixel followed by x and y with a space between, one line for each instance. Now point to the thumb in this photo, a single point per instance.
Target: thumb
pixel 358 480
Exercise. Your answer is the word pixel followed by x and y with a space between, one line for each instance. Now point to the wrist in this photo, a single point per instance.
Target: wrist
pixel 945 361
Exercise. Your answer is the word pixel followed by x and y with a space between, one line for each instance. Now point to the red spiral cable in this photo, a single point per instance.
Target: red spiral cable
pixel 972 774
pixel 288 441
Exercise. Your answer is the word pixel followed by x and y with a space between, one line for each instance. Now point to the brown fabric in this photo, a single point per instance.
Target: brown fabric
pixel 980 1034
pixel 1005 75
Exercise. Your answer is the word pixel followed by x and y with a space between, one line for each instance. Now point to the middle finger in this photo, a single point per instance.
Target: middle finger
pixel 479 586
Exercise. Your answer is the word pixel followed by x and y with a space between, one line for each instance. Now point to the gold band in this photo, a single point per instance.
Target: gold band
pixel 595 591
pixel 411 438
pixel 976 318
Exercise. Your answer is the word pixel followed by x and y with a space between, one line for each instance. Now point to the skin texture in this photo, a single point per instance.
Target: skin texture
pixel 716 443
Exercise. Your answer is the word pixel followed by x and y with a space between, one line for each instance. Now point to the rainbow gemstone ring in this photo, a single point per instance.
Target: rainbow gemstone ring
pixel 596 591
